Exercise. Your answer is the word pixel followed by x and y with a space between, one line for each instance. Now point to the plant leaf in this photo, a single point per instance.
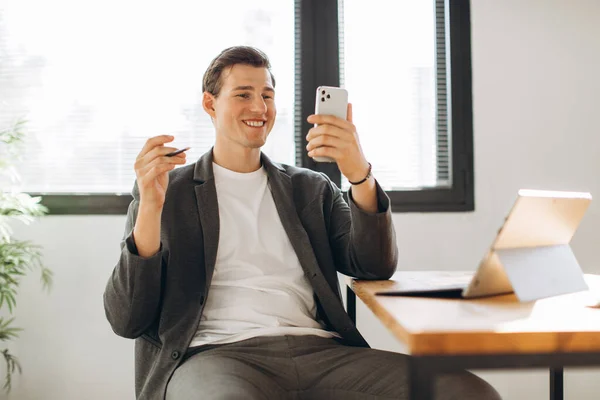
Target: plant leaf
pixel 12 364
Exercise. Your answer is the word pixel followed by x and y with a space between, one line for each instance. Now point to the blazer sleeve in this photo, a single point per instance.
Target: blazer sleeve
pixel 133 292
pixel 363 243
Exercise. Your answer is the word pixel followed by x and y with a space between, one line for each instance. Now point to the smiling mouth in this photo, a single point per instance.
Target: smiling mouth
pixel 255 124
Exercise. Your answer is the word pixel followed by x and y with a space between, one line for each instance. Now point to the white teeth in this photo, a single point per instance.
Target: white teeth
pixel 254 123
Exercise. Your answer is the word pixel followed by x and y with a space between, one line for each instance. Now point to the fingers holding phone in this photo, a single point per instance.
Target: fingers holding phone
pixel 334 136
pixel 152 167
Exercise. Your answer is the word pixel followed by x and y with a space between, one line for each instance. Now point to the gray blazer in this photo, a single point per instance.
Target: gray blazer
pixel 159 300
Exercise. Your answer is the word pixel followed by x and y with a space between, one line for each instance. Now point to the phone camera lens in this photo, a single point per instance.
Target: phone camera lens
pixel 322 98
pixel 323 92
pixel 328 96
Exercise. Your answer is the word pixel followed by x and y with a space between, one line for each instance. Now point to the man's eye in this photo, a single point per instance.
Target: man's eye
pixel 244 95
pixel 267 96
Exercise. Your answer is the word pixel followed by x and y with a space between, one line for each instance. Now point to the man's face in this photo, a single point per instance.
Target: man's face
pixel 244 111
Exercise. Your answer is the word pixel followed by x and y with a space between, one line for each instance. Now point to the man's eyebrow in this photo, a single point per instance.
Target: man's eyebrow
pixel 247 87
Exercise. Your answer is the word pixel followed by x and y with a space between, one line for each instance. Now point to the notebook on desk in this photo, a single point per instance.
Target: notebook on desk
pixel 530 255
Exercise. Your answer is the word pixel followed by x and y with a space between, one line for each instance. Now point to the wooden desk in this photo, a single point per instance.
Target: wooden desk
pixel 443 335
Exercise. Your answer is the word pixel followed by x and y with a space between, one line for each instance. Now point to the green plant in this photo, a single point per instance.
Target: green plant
pixel 16 257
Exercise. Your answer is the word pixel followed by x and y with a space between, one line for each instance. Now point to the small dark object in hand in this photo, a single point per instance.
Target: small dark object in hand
pixel 174 153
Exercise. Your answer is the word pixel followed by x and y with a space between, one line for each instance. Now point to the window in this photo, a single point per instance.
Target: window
pixel 393 90
pixel 406 65
pixel 94 83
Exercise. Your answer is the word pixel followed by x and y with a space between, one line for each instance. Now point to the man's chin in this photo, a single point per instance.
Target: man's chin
pixel 256 144
pixel 256 141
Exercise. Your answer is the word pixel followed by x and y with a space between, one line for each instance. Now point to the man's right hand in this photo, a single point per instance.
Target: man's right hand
pixel 152 171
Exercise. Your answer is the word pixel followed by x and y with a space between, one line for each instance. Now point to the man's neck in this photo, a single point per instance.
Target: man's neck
pixel 237 160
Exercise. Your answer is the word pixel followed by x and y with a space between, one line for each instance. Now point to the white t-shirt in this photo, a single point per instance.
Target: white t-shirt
pixel 258 287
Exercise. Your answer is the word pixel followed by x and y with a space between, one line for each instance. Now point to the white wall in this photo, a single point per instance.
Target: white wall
pixel 536 83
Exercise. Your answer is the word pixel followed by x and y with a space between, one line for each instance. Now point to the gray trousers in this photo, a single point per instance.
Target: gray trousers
pixel 303 368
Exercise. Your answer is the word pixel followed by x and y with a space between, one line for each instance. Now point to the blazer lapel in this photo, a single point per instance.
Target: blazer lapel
pixel 208 209
pixel 283 195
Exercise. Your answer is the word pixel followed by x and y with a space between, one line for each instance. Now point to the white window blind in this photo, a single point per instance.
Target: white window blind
pixel 395 73
pixel 94 79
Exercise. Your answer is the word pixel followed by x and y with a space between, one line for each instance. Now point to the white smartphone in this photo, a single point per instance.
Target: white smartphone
pixel 331 101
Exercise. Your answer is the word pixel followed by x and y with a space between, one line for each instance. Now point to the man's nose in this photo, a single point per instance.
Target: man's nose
pixel 259 105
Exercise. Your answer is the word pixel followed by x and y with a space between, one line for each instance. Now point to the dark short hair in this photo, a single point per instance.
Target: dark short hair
pixel 231 56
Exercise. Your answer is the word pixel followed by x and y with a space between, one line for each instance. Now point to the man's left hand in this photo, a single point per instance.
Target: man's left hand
pixel 337 138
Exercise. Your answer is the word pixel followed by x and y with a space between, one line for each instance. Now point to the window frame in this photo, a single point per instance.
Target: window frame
pixel 317 46
pixel 319 19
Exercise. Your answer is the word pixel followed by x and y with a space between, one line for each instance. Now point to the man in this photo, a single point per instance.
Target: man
pixel 228 272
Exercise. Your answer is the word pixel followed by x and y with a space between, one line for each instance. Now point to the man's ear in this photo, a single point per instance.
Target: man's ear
pixel 208 103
